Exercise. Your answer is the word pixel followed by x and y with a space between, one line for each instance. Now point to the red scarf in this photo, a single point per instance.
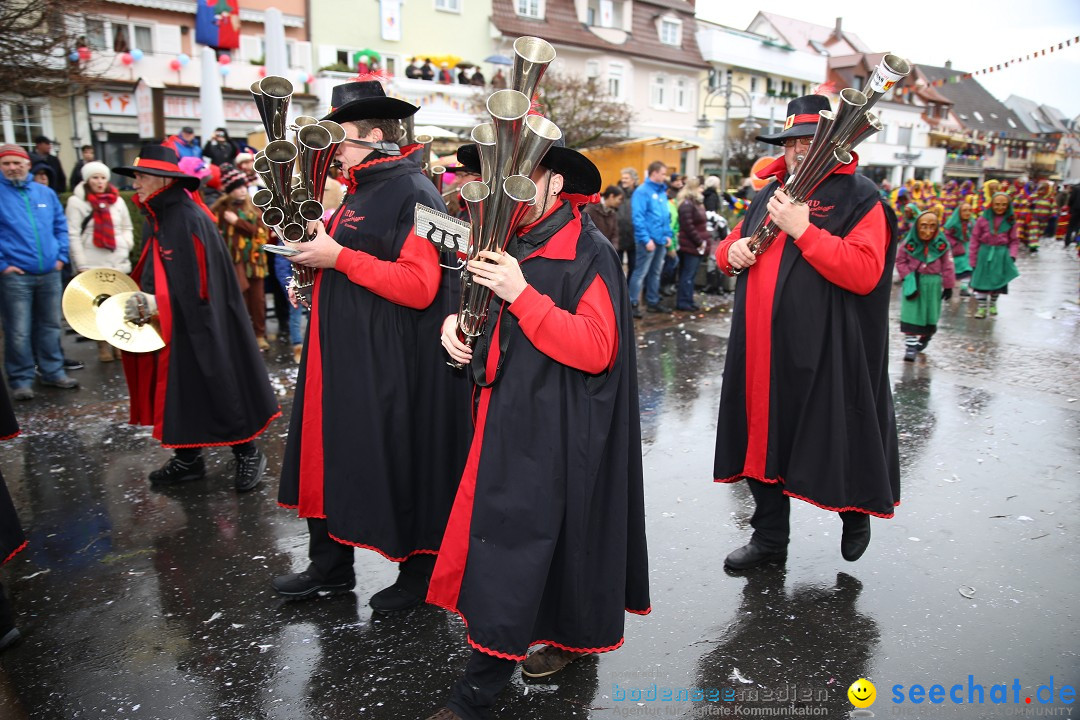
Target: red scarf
pixel 104 236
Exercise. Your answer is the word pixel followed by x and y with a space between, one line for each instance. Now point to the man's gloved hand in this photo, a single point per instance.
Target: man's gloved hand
pixel 140 308
pixel 946 294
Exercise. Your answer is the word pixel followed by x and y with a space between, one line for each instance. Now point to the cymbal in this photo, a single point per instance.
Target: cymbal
pixel 127 335
pixel 86 292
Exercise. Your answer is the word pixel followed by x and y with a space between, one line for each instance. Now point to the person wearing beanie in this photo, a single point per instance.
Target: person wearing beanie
pixel 33 250
pixel 207 387
pixel 245 162
pixel 100 230
pixel 240 224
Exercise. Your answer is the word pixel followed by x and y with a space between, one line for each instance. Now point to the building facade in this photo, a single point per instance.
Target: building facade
pixel 107 114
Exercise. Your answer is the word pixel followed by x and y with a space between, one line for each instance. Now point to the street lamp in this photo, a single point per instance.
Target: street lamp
pixel 748 126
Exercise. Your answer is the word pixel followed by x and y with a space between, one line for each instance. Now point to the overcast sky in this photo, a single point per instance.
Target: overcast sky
pixel 973 35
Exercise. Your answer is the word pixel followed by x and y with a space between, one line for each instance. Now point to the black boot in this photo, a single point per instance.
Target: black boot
pixel 924 340
pixel 856 537
pixel 179 470
pixel 910 353
pixel 410 588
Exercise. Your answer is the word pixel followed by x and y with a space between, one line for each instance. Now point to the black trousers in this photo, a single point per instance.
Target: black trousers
pixel 475 693
pixel 772 515
pixel 331 561
pixel 7 617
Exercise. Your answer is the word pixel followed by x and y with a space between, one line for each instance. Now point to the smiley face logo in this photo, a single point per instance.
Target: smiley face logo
pixel 862 693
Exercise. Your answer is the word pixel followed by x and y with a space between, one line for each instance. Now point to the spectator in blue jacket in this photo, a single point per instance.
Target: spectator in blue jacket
pixel 33 249
pixel 652 235
pixel 184 144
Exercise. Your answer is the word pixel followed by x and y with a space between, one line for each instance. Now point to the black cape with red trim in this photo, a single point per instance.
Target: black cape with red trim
pixel 546 541
pixel 832 430
pixel 12 539
pixel 209 384
pixel 380 424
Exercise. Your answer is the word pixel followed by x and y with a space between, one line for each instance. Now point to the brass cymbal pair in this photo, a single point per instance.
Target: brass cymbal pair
pixel 93 305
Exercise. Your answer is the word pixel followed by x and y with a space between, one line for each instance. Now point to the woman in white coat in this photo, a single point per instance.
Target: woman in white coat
pixel 100 230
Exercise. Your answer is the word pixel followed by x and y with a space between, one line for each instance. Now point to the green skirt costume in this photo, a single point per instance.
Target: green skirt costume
pixel 994 269
pixel 920 314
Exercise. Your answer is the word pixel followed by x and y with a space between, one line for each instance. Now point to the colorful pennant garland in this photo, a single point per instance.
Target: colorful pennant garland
pixel 992 68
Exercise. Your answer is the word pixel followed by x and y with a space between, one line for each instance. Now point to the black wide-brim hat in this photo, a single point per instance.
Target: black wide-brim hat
pixel 366 100
pixel 161 161
pixel 580 176
pixel 802 119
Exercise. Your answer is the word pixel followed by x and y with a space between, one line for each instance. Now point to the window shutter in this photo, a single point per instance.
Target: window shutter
pixel 167 39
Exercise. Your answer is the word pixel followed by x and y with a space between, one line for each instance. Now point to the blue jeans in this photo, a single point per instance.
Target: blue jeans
pixel 647 266
pixel 688 267
pixel 296 319
pixel 31 311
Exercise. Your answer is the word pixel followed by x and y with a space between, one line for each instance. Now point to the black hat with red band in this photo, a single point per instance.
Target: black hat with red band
pixel 161 161
pixel 802 119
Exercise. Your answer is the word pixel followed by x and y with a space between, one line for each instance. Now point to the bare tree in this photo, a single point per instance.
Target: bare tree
pixel 35 41
pixel 583 111
pixel 579 107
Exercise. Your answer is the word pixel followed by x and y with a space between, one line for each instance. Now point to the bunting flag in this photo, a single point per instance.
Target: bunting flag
pixel 991 68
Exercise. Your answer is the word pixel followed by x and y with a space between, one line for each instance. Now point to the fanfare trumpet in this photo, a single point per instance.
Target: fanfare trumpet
pixel 836 135
pixel 291 201
pixel 509 147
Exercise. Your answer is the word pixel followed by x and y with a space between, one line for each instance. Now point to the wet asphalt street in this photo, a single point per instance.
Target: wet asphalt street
pixel 137 603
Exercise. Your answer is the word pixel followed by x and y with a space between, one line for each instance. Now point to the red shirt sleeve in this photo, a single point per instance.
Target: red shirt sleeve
pixel 722 248
pixel 853 262
pixel 586 339
pixel 412 280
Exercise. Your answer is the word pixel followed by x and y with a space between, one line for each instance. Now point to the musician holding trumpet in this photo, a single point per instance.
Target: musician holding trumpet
pixel 806 406
pixel 546 541
pixel 380 423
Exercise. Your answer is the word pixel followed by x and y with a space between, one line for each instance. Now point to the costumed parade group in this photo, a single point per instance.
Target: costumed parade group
pixel 509 489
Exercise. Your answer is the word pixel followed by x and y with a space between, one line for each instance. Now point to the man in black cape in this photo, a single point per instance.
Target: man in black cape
pixel 208 386
pixel 12 539
pixel 806 408
pixel 546 541
pixel 380 423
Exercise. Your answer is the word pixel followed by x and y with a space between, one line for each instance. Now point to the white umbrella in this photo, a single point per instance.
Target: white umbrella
pixel 212 107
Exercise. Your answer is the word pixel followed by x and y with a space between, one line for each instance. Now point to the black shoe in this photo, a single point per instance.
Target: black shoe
pixel 667 290
pixel 177 471
pixel 687 308
pixel 856 537
pixel 302 585
pixel 394 599
pixel 911 353
pixel 410 588
pixel 249 470
pixel 70 364
pixel 924 341
pixel 751 555
pixel 63 382
pixel 658 308
pixel 637 313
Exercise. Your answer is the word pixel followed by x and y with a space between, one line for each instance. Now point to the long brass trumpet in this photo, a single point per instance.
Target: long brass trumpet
pixel 836 135
pixel 290 202
pixel 509 147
